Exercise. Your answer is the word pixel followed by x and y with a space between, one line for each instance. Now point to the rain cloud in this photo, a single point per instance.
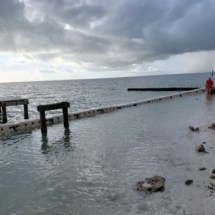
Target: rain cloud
pixel 105 35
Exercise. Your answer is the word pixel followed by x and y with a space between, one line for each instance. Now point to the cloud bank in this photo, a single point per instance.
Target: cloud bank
pixel 89 35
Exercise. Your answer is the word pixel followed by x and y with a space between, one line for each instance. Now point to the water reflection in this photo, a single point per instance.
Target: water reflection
pixel 209 98
pixel 66 137
pixel 44 145
pixel 57 148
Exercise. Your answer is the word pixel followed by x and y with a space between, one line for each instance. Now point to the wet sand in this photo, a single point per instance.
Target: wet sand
pixel 200 197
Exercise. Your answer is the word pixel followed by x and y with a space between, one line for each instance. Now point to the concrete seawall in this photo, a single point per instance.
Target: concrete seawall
pixel 55 119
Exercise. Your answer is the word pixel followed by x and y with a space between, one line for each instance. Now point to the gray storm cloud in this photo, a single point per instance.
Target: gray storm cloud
pixel 106 33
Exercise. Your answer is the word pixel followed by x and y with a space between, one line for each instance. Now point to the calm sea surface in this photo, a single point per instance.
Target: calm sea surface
pixel 84 94
pixel 92 167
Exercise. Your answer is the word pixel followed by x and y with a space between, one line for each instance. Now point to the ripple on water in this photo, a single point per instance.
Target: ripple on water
pixel 91 168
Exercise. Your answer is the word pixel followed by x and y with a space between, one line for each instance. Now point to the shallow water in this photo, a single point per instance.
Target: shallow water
pixel 92 167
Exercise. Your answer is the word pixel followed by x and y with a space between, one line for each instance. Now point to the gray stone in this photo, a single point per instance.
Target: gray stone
pixel 189 182
pixel 153 184
pixel 212 126
pixel 191 128
pixel 212 176
pixel 201 148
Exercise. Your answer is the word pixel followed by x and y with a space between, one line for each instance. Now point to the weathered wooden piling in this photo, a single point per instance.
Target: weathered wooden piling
pixel 5 102
pixel 42 108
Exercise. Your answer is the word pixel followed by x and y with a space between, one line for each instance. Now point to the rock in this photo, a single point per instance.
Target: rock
pixel 197 129
pixel 211 187
pixel 212 126
pixel 201 148
pixel 213 171
pixel 189 182
pixel 153 184
pixel 191 128
pixel 139 185
pixel 202 169
pixel 203 142
pixel 212 176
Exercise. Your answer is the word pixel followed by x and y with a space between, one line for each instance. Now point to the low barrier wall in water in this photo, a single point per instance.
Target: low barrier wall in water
pixel 55 119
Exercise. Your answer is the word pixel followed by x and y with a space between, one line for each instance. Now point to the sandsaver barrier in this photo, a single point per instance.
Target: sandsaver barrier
pixel 55 119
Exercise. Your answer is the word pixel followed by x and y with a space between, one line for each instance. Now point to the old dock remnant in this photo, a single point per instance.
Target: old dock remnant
pixel 42 108
pixel 164 89
pixel 54 119
pixel 12 101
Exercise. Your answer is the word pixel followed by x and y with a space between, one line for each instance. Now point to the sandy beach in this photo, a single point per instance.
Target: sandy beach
pixel 200 197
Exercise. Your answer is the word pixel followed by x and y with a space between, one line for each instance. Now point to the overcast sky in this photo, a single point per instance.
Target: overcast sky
pixel 75 39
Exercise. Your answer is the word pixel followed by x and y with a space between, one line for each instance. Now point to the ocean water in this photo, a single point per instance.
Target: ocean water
pixel 84 94
pixel 92 167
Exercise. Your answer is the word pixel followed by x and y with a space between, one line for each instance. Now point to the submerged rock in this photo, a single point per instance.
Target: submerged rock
pixel 189 182
pixel 112 197
pixel 153 184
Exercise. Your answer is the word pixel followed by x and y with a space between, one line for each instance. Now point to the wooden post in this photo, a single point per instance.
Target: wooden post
pixel 5 102
pixel 42 108
pixel 43 121
pixel 65 117
pixel 4 114
pixel 26 111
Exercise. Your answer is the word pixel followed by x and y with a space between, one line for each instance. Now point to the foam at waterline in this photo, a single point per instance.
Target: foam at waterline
pixel 55 119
